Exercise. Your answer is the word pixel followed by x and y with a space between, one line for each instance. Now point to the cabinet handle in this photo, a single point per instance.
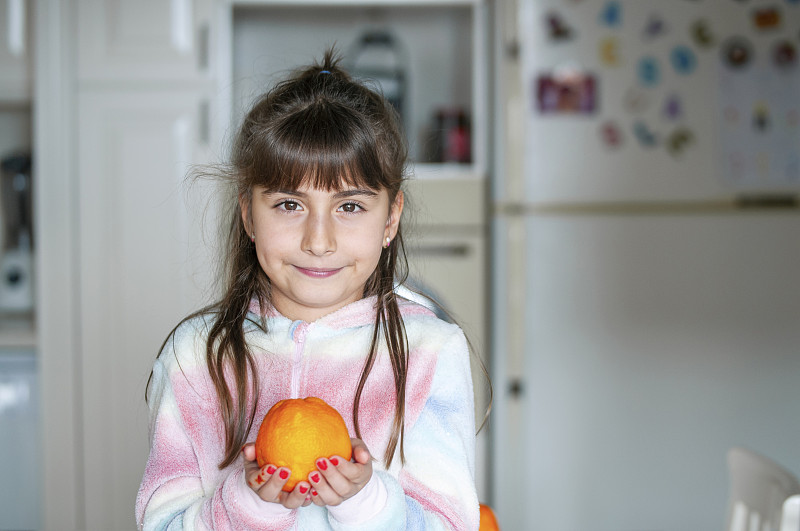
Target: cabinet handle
pixel 452 250
pixel 204 122
pixel 16 27
pixel 203 44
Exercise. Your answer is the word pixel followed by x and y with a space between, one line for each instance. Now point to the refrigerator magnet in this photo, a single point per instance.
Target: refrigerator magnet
pixel 683 60
pixel 609 51
pixel 673 107
pixel 648 71
pixel 679 140
pixel 557 29
pixel 701 34
pixel 784 54
pixel 611 134
pixel 636 100
pixel 644 135
pixel 611 14
pixel 654 27
pixel 736 52
pixel 767 18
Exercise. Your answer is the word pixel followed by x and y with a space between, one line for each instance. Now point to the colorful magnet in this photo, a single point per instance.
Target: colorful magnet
pixel 648 71
pixel 767 18
pixel 611 14
pixel 611 135
pixel 679 141
pixel 673 107
pixel 784 54
pixel 761 117
pixel 557 29
pixel 609 51
pixel 655 27
pixel 701 34
pixel 644 135
pixel 737 52
pixel 636 100
pixel 683 59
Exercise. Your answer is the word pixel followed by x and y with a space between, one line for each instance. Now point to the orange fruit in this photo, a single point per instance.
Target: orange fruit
pixel 298 431
pixel 488 520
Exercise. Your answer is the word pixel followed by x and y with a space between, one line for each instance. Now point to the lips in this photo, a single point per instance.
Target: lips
pixel 318 272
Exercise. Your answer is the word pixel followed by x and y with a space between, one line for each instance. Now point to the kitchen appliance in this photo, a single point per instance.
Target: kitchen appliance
pixel 16 261
pixel 646 293
pixel 379 57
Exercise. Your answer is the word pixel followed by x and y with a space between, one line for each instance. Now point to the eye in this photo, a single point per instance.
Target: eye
pixel 288 205
pixel 350 208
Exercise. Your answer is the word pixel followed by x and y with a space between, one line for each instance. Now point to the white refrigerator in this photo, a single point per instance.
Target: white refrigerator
pixel 645 258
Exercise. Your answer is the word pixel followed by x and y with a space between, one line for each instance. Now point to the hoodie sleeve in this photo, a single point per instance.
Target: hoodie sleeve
pixel 174 494
pixel 435 489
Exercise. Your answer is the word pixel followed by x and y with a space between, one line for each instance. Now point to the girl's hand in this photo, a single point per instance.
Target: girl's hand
pixel 267 482
pixel 337 479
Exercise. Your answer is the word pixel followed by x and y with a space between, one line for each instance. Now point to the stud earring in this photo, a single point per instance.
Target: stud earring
pixel 253 237
pixel 387 243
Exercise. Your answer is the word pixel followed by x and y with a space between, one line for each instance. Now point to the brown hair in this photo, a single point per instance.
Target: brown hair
pixel 321 128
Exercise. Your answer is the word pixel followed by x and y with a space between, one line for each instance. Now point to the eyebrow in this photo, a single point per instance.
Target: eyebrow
pixel 338 195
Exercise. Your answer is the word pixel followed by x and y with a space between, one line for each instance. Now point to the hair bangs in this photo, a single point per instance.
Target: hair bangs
pixel 323 146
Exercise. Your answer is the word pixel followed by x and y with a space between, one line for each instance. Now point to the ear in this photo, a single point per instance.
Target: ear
pixel 395 211
pixel 244 208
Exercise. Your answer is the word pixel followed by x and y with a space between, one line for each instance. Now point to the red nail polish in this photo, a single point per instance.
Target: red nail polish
pixel 322 465
pixel 284 474
pixel 314 493
pixel 259 480
pixel 334 461
pixel 270 469
pixel 315 477
pixel 303 489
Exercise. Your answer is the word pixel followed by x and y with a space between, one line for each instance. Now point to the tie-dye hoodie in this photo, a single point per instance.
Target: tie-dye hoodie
pixel 183 488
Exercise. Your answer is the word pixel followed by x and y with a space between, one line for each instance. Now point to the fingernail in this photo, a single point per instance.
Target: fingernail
pixel 313 492
pixel 270 469
pixel 322 465
pixel 303 489
pixel 334 461
pixel 284 474
pixel 314 477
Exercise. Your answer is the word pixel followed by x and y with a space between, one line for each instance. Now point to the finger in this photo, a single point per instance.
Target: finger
pixel 257 477
pixel 325 495
pixel 249 452
pixel 297 497
pixel 360 451
pixel 337 481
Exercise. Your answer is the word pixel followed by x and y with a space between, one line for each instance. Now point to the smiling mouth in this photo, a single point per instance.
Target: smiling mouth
pixel 317 272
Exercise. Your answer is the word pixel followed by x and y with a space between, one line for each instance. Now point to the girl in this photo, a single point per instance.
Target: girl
pixel 309 309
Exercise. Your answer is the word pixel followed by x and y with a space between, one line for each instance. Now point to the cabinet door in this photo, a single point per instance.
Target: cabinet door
pixel 142 268
pixel 15 51
pixel 143 39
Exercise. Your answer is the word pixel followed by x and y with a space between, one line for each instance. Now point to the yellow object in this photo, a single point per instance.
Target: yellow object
pixel 488 520
pixel 298 431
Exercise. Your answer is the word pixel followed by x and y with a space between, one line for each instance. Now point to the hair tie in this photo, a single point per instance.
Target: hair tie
pixel 324 71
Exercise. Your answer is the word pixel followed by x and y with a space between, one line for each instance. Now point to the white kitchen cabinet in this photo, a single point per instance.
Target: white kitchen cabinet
pixel 143 266
pixel 15 51
pixel 145 40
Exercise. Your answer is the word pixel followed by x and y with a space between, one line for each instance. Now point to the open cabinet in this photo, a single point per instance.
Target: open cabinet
pixel 19 394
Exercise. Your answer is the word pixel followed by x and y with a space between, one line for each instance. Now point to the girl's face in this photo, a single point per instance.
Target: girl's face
pixel 319 248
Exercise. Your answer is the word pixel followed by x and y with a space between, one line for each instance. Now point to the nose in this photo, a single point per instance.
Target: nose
pixel 319 236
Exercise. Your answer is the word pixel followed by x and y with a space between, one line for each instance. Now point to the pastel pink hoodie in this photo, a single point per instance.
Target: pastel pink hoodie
pixel 183 488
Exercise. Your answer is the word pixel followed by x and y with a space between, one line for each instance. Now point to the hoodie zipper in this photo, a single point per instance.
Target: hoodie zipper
pixel 298 332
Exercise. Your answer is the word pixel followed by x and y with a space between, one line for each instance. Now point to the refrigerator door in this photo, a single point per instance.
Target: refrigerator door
pixel 652 344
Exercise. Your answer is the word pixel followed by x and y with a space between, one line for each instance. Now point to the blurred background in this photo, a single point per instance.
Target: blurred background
pixel 603 193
